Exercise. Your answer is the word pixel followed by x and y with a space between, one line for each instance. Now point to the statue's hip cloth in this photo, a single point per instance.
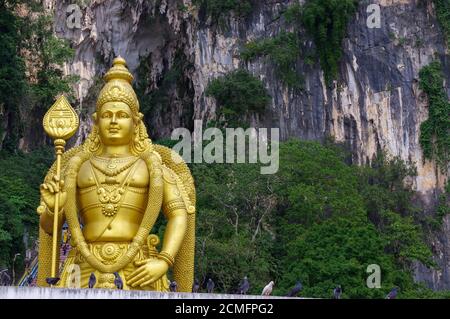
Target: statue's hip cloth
pixel 76 271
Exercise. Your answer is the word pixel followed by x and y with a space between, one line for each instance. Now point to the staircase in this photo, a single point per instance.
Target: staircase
pixel 29 278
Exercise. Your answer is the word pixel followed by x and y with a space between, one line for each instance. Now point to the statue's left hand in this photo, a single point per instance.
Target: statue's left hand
pixel 149 271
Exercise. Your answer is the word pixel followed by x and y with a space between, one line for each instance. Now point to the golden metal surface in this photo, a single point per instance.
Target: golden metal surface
pixel 116 183
pixel 60 123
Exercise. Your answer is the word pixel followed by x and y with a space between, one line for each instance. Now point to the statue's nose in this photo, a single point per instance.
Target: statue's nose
pixel 114 118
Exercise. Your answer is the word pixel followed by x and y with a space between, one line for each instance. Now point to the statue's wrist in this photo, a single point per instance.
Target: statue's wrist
pixel 43 209
pixel 51 212
pixel 168 258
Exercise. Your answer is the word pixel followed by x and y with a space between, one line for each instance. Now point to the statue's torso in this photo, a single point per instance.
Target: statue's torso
pixel 107 213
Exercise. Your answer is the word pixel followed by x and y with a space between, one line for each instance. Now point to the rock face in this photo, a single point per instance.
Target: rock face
pixel 375 105
pixel 438 279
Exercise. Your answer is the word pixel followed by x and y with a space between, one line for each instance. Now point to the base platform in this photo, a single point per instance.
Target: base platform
pixel 11 292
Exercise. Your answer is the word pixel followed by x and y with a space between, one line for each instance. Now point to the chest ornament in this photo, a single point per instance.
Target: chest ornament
pixel 109 194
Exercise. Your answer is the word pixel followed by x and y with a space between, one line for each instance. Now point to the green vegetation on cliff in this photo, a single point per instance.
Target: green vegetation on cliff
pixel 158 99
pixel 325 21
pixel 443 16
pixel 218 9
pixel 435 131
pixel 49 53
pixel 237 94
pixel 12 77
pixel 25 95
pixel 29 41
pixel 283 50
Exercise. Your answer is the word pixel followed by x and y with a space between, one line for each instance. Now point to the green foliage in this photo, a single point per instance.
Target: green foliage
pixel 443 208
pixel 382 186
pixel 50 53
pixel 318 220
pixel 234 225
pixel 141 84
pixel 218 9
pixel 326 22
pixel 318 186
pixel 293 14
pixel 20 178
pixel 12 76
pixel 443 16
pixel 336 252
pixel 12 68
pixel 90 100
pixel 31 37
pixel 158 97
pixel 172 89
pixel 172 80
pixel 388 200
pixel 283 50
pixel 237 94
pixel 435 131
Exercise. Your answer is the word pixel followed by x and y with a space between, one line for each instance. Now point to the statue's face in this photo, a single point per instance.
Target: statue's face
pixel 115 122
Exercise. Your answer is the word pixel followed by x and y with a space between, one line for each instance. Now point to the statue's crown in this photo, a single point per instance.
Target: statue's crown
pixel 118 86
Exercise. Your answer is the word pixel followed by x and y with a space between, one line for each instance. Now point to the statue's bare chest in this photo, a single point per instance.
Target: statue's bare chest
pixel 100 171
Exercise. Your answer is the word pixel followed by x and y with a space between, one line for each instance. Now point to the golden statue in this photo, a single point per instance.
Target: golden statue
pixel 110 190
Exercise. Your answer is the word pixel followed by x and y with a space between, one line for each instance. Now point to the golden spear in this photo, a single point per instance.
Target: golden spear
pixel 60 123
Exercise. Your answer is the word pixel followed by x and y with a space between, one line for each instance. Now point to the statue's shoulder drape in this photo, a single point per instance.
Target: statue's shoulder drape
pixel 183 271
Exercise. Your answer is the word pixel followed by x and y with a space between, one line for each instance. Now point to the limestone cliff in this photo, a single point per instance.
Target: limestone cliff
pixel 376 104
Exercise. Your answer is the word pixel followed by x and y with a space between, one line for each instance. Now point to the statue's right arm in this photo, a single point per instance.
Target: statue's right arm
pixel 46 209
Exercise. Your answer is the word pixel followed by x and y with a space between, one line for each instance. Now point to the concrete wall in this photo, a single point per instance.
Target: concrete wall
pixel 9 292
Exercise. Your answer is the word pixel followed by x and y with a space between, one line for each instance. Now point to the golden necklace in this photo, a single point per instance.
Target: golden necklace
pixel 108 197
pixel 111 166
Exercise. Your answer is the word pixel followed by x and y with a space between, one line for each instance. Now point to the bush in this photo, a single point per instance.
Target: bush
pixel 435 131
pixel 237 95
pixel 318 220
pixel 218 9
pixel 283 50
pixel 443 16
pixel 21 176
pixel 326 21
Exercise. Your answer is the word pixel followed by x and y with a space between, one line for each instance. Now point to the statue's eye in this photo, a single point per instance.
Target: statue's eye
pixel 106 115
pixel 123 115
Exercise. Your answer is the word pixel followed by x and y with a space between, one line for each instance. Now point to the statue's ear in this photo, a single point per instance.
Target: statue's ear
pixel 94 117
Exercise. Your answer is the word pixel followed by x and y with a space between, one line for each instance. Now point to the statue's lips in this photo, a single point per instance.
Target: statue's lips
pixel 113 130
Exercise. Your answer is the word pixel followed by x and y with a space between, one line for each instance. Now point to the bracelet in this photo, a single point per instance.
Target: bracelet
pixel 50 213
pixel 173 205
pixel 168 258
